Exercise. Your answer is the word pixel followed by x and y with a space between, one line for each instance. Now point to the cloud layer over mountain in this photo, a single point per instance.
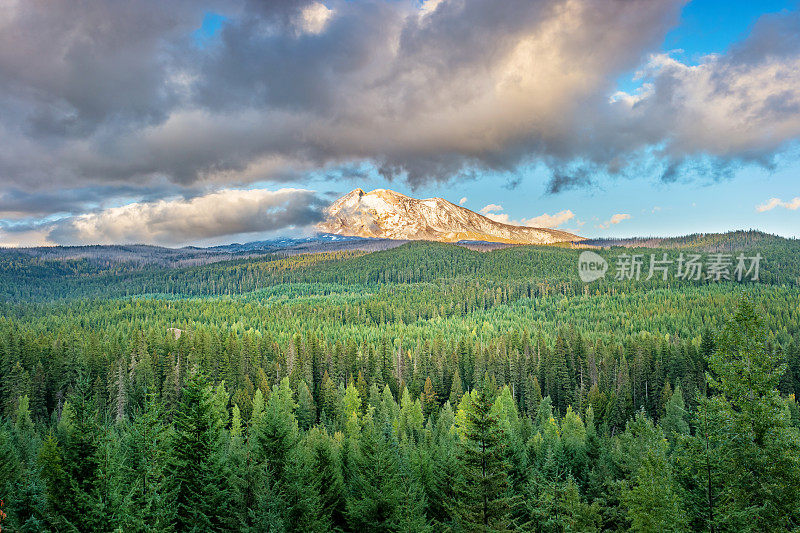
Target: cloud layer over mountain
pixel 100 96
pixel 228 212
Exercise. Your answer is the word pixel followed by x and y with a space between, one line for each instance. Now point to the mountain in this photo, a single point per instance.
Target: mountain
pixel 387 214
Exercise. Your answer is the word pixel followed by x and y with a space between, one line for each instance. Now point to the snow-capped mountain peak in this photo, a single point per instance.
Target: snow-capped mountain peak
pixel 387 214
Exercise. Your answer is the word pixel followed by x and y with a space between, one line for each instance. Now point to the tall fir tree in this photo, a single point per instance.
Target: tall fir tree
pixel 484 499
pixel 197 483
pixel 759 455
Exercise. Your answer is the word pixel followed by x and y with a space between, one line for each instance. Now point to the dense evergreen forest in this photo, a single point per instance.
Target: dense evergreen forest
pixel 423 388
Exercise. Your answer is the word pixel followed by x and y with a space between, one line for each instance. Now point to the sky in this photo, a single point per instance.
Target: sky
pixel 212 121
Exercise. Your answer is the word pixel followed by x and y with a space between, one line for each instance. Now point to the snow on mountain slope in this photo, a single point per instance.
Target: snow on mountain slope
pixel 390 215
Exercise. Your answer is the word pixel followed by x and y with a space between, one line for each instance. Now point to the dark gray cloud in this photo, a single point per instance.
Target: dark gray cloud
pixel 120 91
pixel 20 204
pixel 562 181
pixel 102 98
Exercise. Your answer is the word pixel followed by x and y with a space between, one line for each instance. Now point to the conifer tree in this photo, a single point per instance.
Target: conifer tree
pixel 81 464
pixel 483 503
pixel 276 432
pixel 375 487
pixel 443 466
pixel 675 421
pixel 325 463
pixel 429 401
pixel 649 494
pixel 759 455
pixel 10 474
pixel 51 463
pixel 145 450
pixel 306 410
pixel 456 389
pixel 197 484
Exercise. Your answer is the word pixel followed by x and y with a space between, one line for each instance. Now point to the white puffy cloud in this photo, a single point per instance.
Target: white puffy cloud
pixel 549 221
pixel 615 219
pixel 490 208
pixel 462 201
pixel 772 203
pixel 494 212
pixel 719 107
pixel 314 17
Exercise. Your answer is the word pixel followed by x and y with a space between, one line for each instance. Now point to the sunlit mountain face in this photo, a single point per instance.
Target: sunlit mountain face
pixel 387 214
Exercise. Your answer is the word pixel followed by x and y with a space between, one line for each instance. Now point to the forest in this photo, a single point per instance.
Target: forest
pixel 427 387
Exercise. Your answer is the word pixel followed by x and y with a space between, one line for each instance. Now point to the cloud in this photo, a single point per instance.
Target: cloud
pixel 772 203
pixel 493 212
pixel 738 107
pixel 769 205
pixel 793 204
pixel 121 94
pixel 314 17
pixel 225 213
pixel 462 201
pixel 24 237
pixel 561 181
pixel 549 221
pixel 18 204
pixel 615 219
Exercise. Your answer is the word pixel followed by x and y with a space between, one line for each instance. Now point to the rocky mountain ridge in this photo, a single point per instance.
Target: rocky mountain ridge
pixel 387 214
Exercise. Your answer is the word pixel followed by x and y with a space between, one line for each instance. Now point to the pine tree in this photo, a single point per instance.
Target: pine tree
pixel 306 410
pixel 533 395
pixel 456 389
pixel 300 493
pixel 411 419
pixel 51 463
pixel 81 464
pixel 327 470
pixel 622 408
pixel 483 503
pixel 288 496
pixel 145 450
pixel 650 494
pixel 197 482
pixel 15 384
pixel 675 421
pixel 429 401
pixel 760 451
pixel 328 399
pixel 276 432
pixel 375 486
pixel 10 474
pixel 442 464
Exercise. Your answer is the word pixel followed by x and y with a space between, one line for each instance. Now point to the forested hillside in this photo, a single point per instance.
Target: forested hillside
pixel 423 388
